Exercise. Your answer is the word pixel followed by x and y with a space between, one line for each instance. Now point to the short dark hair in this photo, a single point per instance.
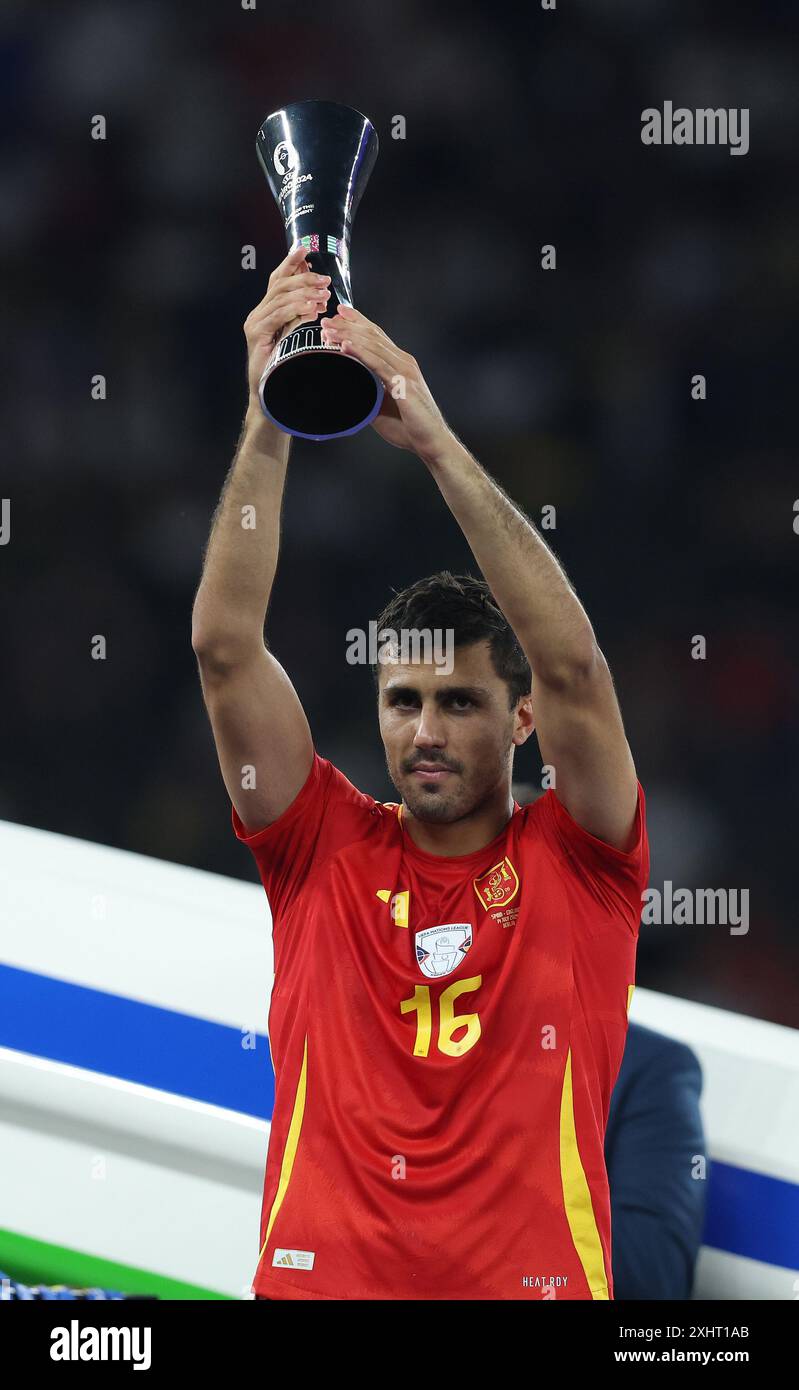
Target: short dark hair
pixel 465 604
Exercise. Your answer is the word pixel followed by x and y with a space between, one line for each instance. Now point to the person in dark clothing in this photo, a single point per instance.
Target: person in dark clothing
pixel 653 1146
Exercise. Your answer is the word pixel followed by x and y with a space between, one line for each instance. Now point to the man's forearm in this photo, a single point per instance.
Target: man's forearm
pixel 242 551
pixel 524 576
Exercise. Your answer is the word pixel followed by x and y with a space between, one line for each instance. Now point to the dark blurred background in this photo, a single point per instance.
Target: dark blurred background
pixel 573 387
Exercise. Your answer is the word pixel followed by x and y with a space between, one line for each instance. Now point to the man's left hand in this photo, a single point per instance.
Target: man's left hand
pixel 408 417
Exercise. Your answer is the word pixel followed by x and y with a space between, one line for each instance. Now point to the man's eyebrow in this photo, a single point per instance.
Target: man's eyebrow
pixel 443 692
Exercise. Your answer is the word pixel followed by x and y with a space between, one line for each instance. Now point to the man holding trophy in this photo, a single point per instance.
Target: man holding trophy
pixel 452 970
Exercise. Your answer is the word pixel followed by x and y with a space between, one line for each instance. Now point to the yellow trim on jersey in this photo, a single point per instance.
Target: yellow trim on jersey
pixel 577 1195
pixel 292 1144
pixel 630 989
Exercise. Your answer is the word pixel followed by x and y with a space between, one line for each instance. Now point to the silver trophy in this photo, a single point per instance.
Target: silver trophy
pixel 317 157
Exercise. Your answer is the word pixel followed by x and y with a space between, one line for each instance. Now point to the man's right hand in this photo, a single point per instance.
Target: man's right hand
pixel 295 295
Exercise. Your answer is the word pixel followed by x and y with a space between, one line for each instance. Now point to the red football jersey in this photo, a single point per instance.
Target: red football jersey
pixel 445 1034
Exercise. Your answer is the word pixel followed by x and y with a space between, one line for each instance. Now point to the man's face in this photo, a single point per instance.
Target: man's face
pixel 449 739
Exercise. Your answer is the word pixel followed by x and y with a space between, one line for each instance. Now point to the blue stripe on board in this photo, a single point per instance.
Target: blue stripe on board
pixel 752 1214
pixel 137 1042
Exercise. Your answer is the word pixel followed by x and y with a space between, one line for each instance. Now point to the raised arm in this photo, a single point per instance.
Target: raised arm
pixel 577 716
pixel 261 733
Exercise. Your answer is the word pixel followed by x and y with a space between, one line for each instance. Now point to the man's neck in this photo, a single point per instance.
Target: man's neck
pixel 463 836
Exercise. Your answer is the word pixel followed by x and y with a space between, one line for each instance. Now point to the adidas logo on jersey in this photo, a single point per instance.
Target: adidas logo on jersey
pixel 293 1259
pixel 398 905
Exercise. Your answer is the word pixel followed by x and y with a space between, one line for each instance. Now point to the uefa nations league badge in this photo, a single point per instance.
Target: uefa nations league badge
pixel 440 950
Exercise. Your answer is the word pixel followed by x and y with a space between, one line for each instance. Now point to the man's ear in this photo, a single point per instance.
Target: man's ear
pixel 524 724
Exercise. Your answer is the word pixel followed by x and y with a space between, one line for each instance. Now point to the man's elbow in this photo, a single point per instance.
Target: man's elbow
pixel 206 644
pixel 219 652
pixel 577 674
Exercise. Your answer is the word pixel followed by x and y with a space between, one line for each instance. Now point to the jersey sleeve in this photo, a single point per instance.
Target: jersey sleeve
pixel 327 814
pixel 614 879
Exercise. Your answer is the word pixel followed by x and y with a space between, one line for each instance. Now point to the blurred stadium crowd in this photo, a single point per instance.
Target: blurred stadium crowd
pixel 674 517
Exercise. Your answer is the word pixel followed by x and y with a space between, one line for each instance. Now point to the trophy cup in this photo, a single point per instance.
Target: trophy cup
pixel 317 157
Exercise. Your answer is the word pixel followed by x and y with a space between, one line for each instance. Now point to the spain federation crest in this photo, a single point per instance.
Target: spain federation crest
pixel 498 887
pixel 440 950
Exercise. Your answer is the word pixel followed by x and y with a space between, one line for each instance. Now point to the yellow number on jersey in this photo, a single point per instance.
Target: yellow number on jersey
pixel 449 1021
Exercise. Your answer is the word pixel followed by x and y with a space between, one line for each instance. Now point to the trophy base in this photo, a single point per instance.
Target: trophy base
pixel 315 391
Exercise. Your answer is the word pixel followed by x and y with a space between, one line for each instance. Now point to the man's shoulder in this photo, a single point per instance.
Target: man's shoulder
pixel 347 812
pixel 534 822
pixel 340 788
